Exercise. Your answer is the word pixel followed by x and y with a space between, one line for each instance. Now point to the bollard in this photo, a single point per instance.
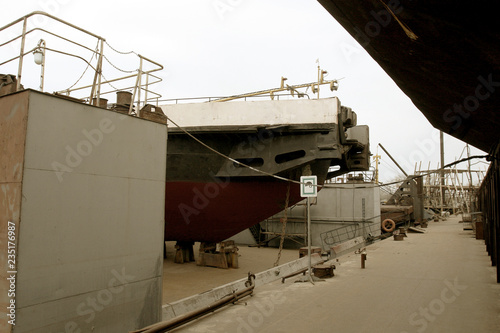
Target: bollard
pixel 363 259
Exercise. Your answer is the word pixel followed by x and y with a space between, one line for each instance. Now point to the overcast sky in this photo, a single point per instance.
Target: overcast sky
pixel 227 47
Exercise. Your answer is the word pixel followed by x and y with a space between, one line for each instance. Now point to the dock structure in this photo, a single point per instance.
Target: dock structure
pixel 83 203
pixel 438 281
pixel 82 248
pixel 489 206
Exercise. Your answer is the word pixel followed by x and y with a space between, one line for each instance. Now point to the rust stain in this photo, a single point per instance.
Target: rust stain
pixel 13 123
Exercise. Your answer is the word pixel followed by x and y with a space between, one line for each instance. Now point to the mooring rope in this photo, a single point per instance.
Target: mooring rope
pixel 283 225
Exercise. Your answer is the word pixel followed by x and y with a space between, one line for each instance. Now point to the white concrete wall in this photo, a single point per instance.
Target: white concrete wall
pixel 239 113
pixel 92 218
pixel 337 207
pixel 13 120
pixel 244 237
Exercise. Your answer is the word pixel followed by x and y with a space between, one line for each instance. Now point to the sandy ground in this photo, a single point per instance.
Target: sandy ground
pixel 440 281
pixel 183 280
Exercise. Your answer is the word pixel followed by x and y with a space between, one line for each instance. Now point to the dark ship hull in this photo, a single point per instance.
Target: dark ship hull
pixel 211 198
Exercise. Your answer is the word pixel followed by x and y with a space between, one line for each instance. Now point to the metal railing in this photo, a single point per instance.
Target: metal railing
pixel 143 77
pixel 353 177
pixel 219 98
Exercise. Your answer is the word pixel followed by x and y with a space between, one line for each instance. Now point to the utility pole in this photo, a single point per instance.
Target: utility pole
pixel 376 158
pixel 442 185
pixel 470 180
pixel 319 76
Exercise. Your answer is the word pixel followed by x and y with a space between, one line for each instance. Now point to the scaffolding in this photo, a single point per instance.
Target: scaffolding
pixel 452 190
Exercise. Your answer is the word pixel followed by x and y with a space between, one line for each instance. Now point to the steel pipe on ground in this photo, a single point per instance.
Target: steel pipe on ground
pixel 188 317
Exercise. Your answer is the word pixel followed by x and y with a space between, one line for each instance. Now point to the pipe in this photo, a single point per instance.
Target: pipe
pixel 184 319
pixel 20 65
pixel 390 156
pixel 50 16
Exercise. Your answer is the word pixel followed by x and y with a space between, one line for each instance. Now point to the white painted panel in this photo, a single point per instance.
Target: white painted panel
pixel 102 310
pixel 75 232
pixel 240 113
pixel 70 137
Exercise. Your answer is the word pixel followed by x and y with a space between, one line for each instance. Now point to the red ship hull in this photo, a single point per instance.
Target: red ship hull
pixel 216 211
pixel 210 197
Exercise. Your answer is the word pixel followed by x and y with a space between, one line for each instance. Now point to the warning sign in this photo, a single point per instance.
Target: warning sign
pixel 309 186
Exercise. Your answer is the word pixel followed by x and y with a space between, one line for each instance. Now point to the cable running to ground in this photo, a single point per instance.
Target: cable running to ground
pixel 320 186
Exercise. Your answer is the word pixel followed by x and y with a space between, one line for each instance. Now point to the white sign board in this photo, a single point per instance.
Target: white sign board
pixel 309 186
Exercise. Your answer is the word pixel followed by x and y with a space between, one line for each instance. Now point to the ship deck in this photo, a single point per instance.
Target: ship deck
pixel 440 281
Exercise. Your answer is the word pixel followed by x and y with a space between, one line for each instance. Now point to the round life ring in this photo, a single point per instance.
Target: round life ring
pixel 388 225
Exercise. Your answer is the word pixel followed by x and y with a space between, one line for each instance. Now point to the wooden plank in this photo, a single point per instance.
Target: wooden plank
pixel 419 230
pixel 337 249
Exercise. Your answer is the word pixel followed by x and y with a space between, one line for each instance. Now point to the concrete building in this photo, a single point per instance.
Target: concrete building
pixel 82 195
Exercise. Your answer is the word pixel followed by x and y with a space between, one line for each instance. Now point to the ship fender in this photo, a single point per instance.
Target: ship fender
pixel 388 225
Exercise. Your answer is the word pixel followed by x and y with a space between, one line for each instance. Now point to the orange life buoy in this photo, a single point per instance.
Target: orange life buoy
pixel 388 225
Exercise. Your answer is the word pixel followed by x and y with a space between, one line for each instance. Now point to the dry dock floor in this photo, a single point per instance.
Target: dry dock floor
pixel 440 281
pixel 188 279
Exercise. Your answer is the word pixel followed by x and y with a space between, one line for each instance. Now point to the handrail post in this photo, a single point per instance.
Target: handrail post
pixel 139 85
pixel 97 84
pixel 99 68
pixel 97 75
pixel 137 90
pixel 146 90
pixel 21 56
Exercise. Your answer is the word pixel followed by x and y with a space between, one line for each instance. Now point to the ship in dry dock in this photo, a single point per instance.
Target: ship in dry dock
pixel 210 197
pixel 235 175
pixel 88 249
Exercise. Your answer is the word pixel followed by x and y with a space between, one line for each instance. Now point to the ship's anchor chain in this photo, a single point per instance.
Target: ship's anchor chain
pixel 283 225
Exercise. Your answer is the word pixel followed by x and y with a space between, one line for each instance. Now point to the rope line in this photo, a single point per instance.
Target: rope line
pixel 86 68
pixel 320 186
pixel 117 68
pixel 405 28
pixel 229 158
pixel 106 81
pixel 283 226
pixel 120 52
